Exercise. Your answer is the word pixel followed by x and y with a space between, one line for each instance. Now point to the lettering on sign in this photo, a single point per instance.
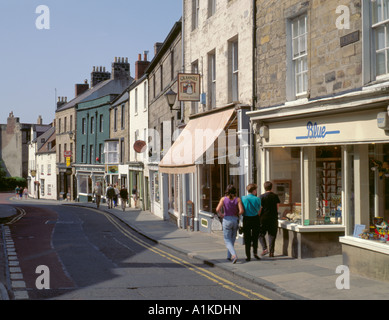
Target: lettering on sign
pixel 314 131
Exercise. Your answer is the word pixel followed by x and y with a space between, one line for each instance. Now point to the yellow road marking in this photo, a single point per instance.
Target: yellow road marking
pixel 202 272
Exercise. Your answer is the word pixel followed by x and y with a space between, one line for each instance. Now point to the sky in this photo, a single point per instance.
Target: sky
pixel 36 64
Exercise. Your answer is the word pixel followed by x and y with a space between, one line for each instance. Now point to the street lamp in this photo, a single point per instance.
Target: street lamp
pixel 171 97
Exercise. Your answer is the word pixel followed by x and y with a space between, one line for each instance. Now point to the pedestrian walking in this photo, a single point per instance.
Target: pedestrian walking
pixel 251 222
pixel 268 219
pixel 116 196
pixel 110 193
pixel 135 195
pixel 17 192
pixel 233 208
pixel 25 193
pixel 21 193
pixel 124 197
pixel 97 193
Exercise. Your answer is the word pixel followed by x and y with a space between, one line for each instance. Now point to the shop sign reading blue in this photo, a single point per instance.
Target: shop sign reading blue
pixel 317 132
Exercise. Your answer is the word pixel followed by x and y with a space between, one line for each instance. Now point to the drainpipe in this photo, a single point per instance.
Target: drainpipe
pixel 254 89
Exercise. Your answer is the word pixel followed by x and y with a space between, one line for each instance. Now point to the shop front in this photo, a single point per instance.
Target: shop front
pixel 87 176
pixel 136 184
pixel 327 161
pixel 210 153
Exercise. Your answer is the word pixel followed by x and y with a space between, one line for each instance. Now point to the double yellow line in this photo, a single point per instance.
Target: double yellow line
pixel 249 294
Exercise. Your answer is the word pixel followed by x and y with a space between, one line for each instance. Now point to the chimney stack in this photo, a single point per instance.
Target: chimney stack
pixel 81 88
pixel 40 120
pixel 121 69
pixel 61 101
pixel 157 47
pixel 141 66
pixel 98 75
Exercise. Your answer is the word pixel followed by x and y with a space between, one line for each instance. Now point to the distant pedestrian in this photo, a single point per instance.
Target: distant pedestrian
pixel 110 193
pixel 21 193
pixel 25 193
pixel 269 219
pixel 233 208
pixel 116 196
pixel 135 196
pixel 251 222
pixel 124 197
pixel 17 192
pixel 97 193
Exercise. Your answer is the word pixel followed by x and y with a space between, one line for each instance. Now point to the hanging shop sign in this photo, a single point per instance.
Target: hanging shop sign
pixel 188 87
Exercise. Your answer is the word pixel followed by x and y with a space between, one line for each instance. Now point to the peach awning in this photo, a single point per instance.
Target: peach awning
pixel 195 139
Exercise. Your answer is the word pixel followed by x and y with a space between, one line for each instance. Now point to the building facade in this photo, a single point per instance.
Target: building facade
pixel 138 122
pixel 217 45
pixel 96 153
pixel 14 141
pixel 162 123
pixel 41 151
pixel 46 167
pixel 321 86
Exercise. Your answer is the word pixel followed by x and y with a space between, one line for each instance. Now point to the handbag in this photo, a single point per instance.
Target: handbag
pixel 240 230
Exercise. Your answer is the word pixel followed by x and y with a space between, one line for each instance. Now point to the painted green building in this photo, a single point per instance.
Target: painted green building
pixel 93 129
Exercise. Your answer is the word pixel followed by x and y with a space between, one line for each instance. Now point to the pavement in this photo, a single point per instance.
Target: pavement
pixel 297 279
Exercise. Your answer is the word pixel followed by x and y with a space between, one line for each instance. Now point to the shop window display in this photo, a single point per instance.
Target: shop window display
pixel 328 185
pixel 285 174
pixel 378 229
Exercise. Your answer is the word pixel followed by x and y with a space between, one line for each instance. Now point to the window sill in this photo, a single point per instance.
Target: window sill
pixel 371 245
pixel 303 229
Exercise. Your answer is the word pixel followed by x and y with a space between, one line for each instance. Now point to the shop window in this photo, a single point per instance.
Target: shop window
pixel 173 192
pixel 205 188
pixel 379 182
pixel 285 173
pixel 329 185
pixel 214 180
pixel 83 184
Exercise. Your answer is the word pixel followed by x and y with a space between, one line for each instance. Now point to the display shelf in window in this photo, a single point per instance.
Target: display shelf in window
pixel 329 206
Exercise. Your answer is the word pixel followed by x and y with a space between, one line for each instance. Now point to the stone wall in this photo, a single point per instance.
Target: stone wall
pixel 332 68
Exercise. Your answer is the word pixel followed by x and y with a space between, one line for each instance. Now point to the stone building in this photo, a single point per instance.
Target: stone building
pixel 14 139
pixel 218 46
pixel 321 121
pixel 162 122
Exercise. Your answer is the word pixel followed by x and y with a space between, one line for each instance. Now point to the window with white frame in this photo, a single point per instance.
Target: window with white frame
pixel 136 101
pixel 145 96
pixel 300 54
pixel 115 119
pixel 111 151
pixel 234 71
pixel 83 126
pixel 122 116
pixel 195 14
pixel 212 80
pixel 380 28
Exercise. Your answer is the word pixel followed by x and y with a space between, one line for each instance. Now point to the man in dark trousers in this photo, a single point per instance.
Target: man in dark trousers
pixel 268 219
